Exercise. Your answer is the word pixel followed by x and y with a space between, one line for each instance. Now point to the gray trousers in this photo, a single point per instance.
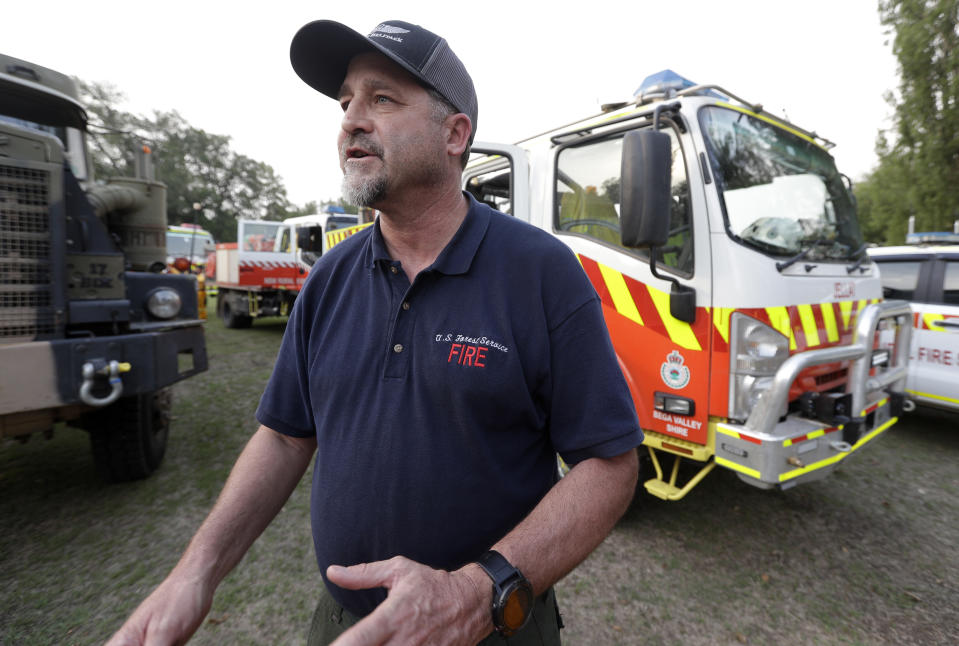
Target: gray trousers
pixel 330 620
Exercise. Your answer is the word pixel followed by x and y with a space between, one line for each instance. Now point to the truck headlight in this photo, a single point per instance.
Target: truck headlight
pixel 755 353
pixel 164 303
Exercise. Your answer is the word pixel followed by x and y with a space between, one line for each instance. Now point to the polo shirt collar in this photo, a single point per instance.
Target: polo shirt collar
pixel 458 254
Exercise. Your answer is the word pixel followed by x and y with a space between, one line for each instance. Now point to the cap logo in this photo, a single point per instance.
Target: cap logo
pixel 388 31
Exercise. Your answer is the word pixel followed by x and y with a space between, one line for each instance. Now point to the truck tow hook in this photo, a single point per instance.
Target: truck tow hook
pixel 842 447
pixel 110 370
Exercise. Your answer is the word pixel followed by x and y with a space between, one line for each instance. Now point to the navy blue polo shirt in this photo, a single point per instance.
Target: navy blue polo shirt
pixel 439 406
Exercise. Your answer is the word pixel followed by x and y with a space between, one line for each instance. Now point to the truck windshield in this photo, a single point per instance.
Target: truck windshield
pixel 341 222
pixel 179 244
pixel 781 192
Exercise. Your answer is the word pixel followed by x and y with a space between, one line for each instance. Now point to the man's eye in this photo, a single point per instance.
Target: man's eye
pixel 344 105
pixel 383 99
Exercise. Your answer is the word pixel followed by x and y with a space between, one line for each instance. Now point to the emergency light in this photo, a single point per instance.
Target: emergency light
pixel 665 85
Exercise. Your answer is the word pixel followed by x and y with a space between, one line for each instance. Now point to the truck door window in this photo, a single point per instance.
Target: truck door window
pixel 950 283
pixel 588 199
pixel 285 242
pixel 492 188
pixel 899 278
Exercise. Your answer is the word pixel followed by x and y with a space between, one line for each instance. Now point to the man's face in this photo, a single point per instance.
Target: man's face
pixel 390 140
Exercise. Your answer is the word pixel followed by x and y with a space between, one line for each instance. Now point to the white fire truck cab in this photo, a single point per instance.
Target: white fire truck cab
pixel 262 273
pixel 724 246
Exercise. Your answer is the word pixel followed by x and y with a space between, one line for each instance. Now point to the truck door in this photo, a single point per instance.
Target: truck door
pixel 935 355
pixel 665 360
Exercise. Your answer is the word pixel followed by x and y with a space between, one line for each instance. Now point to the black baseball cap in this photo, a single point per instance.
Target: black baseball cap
pixel 322 50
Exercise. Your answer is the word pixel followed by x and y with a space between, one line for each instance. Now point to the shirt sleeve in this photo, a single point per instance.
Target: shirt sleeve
pixel 285 405
pixel 591 411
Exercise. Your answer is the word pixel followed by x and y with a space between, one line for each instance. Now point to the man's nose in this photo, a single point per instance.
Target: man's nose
pixel 355 118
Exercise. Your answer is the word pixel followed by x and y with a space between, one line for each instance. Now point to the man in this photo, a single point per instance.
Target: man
pixel 438 360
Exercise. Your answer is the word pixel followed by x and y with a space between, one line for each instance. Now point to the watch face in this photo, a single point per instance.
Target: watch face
pixel 518 606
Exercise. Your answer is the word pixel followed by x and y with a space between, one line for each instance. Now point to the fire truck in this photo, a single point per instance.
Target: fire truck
pixel 724 246
pixel 261 274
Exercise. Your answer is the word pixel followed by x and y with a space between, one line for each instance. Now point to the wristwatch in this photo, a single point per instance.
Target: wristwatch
pixel 512 593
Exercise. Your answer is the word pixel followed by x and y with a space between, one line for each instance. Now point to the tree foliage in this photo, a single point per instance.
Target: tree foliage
pixel 198 168
pixel 918 171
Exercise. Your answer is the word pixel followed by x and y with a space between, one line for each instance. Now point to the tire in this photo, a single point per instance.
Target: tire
pixel 128 438
pixel 231 318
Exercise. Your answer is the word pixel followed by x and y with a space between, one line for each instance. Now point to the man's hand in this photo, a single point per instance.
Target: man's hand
pixel 168 616
pixel 424 606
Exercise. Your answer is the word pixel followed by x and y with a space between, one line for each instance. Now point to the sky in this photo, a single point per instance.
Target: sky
pixel 224 66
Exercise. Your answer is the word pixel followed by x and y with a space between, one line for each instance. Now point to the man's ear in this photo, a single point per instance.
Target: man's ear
pixel 458 139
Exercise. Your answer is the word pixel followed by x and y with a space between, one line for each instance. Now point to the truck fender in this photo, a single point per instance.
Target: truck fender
pixel 641 406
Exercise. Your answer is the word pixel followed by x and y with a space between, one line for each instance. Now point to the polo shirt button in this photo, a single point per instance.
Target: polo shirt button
pixel 394 269
pixel 406 305
pixel 398 348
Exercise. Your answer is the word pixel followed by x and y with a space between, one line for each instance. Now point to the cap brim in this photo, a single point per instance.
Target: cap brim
pixel 321 52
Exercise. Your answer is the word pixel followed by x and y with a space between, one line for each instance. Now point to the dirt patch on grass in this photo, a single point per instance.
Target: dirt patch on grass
pixel 867 556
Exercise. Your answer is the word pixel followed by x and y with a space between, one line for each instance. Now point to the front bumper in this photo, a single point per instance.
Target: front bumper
pixel 775 449
pixel 798 450
pixel 49 374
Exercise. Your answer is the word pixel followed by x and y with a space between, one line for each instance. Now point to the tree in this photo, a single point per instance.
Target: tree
pixel 918 171
pixel 196 166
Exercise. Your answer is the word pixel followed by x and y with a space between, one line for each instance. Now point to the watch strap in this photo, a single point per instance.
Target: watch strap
pixel 497 567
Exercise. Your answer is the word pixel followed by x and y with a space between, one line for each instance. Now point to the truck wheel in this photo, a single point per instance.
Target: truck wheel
pixel 232 319
pixel 128 438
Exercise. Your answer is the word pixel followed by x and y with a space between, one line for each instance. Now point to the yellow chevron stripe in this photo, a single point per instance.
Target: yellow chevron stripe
pixel 779 317
pixel 809 328
pixel 679 331
pixel 845 308
pixel 829 319
pixel 928 318
pixel 622 299
pixel 721 320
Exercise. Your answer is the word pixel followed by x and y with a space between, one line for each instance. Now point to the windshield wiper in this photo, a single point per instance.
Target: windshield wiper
pixel 802 254
pixel 858 264
pixel 799 256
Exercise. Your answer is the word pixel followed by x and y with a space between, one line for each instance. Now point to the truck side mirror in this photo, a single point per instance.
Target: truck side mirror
pixel 645 181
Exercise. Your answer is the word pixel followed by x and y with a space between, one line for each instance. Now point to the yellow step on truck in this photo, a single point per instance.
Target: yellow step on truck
pixel 724 246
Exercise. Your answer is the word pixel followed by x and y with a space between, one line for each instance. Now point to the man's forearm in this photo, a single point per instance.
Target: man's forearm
pixel 571 520
pixel 261 481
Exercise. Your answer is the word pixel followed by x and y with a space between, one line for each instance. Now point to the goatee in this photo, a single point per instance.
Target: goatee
pixel 363 191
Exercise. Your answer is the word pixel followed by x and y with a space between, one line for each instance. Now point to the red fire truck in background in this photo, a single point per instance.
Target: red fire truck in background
pixel 261 274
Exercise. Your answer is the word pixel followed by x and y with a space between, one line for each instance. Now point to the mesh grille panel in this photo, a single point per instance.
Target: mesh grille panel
pixel 25 282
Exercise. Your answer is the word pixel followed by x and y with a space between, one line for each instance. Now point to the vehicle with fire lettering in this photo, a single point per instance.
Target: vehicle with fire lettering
pixel 725 248
pixel 262 273
pixel 927 275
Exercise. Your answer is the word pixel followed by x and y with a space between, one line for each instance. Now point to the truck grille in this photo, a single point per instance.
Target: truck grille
pixel 26 308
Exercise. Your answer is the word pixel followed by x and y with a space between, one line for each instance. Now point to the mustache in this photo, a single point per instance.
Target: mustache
pixel 360 141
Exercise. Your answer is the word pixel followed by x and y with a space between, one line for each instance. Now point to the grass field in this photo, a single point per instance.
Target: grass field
pixel 867 556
